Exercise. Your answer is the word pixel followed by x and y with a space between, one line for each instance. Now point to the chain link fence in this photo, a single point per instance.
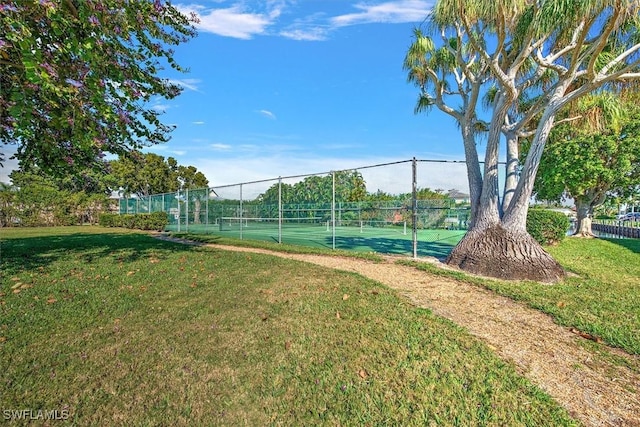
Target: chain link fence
pixel 412 207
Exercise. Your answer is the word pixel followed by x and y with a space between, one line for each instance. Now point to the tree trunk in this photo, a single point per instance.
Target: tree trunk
pixel 499 245
pixel 489 209
pixel 511 173
pixel 196 211
pixel 508 254
pixel 474 175
pixel 516 213
pixel 583 211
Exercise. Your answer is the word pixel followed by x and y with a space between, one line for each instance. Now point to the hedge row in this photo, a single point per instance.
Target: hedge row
pixel 547 227
pixel 152 221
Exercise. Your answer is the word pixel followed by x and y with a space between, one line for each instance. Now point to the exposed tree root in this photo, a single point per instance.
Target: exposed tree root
pixel 505 254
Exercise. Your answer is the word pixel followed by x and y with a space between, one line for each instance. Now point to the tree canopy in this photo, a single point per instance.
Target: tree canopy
pixel 592 160
pixel 76 78
pixel 350 187
pixel 38 199
pixel 147 174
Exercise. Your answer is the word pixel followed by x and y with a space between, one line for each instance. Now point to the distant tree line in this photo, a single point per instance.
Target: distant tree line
pixel 350 186
pixel 312 199
pixel 36 198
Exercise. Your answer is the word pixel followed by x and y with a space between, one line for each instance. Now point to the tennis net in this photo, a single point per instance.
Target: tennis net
pixel 374 225
pixel 237 223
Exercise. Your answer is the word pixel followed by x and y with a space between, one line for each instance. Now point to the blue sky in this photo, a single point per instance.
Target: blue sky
pixel 286 87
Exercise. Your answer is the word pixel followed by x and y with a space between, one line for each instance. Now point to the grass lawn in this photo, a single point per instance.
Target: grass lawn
pixel 601 297
pixel 118 328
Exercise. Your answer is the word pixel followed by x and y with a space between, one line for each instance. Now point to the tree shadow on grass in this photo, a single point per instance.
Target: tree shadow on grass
pixel 383 245
pixel 430 246
pixel 31 253
pixel 631 244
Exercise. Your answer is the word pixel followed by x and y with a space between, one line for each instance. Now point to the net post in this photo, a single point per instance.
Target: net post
pixel 414 206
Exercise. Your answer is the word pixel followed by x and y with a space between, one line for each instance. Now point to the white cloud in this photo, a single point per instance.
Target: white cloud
pixel 191 84
pixel 268 114
pixel 262 149
pixel 275 8
pixel 336 146
pixel 317 27
pixel 231 22
pixel 160 107
pixel 388 12
pixel 164 149
pixel 221 147
pixel 308 28
pixel 306 34
pixel 246 19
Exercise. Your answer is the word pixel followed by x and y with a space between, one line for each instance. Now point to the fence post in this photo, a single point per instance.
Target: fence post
pixel 414 206
pixel 240 211
pixel 333 210
pixel 186 209
pixel 280 209
pixel 179 213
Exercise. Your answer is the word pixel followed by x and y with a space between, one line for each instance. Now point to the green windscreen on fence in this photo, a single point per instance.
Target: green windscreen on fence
pixel 410 207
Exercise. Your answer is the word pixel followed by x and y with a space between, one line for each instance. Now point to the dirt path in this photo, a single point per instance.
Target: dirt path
pixel 593 390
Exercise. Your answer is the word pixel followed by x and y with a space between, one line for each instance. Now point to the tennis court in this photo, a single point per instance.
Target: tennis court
pixel 368 209
pixel 361 236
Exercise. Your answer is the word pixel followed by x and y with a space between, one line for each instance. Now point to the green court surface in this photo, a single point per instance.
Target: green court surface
pixel 394 240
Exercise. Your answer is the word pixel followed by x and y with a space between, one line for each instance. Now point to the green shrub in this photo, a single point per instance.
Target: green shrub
pixel 107 219
pixel 546 226
pixel 128 221
pixel 154 221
